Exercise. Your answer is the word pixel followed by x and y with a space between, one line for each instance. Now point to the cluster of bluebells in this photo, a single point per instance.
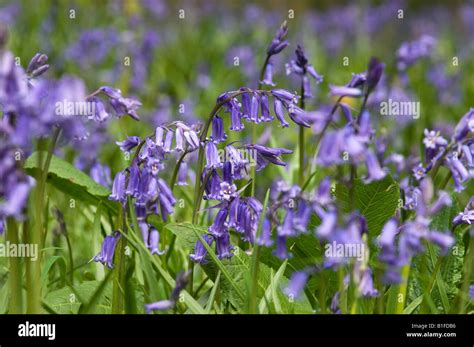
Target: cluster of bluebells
pixel 297 209
pixel 456 155
pixel 400 243
pixel 140 182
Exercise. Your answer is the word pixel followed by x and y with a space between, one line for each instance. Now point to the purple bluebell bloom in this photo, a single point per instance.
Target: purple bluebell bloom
pixel 467 216
pixel 118 187
pixel 106 255
pixel 281 251
pixel 218 133
pixel 223 246
pixel 302 68
pixel 218 228
pixel 280 112
pixel 366 284
pixel 181 281
pixel 123 106
pixel 278 43
pixel 37 65
pixel 212 156
pixel 154 241
pixel 200 252
pixel 374 171
pixel 465 126
pixel 374 73
pixel 296 284
pixel 129 143
pixel 265 238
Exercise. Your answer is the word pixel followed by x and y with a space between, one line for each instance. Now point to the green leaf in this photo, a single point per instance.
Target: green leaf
pixel 449 277
pixel 66 178
pixel 65 300
pixel 90 305
pixel 376 201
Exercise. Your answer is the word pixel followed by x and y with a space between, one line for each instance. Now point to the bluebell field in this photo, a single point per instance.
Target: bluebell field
pixel 211 157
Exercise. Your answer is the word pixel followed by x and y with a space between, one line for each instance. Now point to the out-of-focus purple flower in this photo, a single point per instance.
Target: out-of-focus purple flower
pixel 410 52
pixel 181 281
pixel 101 174
pixel 37 65
pixel 129 143
pixel 345 91
pixel 121 105
pixel 374 171
pixel 281 250
pixel 265 238
pixel 467 216
pixel 366 284
pixel 465 126
pixel 374 73
pixel 302 68
pixel 106 255
pixel 296 285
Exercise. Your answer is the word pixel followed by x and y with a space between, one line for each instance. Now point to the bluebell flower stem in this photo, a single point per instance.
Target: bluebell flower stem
pixel 301 177
pixel 15 272
pixel 36 236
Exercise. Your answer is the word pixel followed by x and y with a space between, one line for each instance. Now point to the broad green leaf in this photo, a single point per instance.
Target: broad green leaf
pixel 65 300
pixel 238 268
pixel 448 279
pixel 71 181
pixel 376 201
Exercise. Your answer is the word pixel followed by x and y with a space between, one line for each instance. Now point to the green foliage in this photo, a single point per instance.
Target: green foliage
pixel 376 201
pixel 71 181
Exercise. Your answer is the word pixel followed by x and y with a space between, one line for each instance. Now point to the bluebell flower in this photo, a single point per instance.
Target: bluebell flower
pixel 465 126
pixel 374 171
pixel 265 238
pixel 106 255
pixel 154 241
pixel 466 216
pixel 296 284
pixel 223 246
pixel 212 156
pixel 200 252
pixel 278 43
pixel 181 281
pixel 218 134
pixel 129 143
pixel 118 187
pixel 218 227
